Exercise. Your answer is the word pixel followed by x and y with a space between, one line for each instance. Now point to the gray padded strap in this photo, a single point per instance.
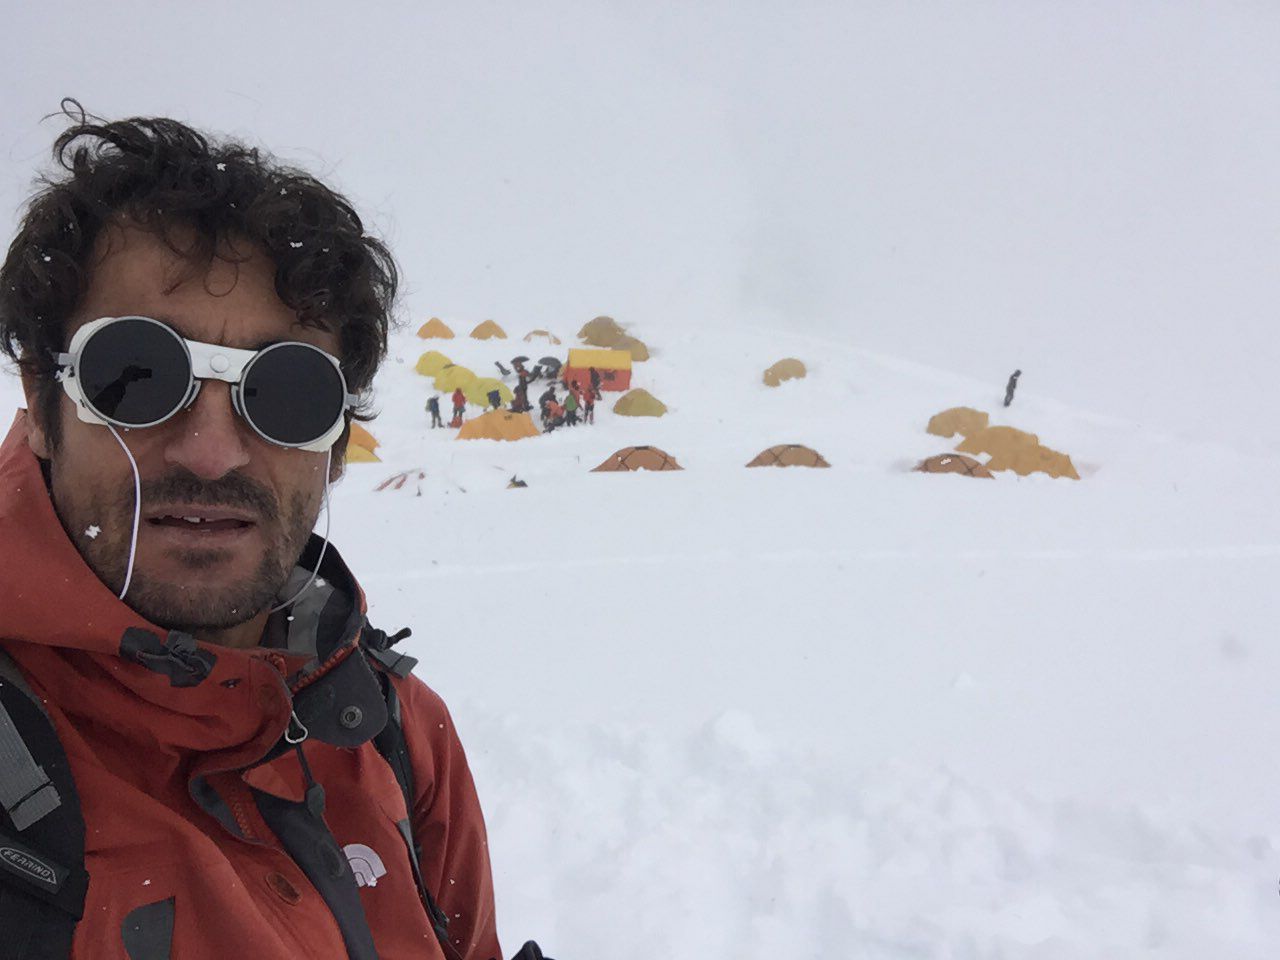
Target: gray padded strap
pixel 26 793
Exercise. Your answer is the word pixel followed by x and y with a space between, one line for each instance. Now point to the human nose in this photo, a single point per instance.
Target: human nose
pixel 207 437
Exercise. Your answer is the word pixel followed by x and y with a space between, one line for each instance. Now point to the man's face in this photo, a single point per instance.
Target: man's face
pixel 257 501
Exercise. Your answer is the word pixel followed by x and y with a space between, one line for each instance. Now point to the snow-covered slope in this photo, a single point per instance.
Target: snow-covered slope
pixel 851 712
pixel 856 712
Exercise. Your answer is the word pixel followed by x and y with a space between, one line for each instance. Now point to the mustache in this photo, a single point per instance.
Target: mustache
pixel 232 490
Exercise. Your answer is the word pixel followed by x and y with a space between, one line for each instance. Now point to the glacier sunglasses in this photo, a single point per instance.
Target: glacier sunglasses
pixel 137 372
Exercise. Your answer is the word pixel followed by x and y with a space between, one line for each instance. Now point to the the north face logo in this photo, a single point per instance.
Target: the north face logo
pixel 31 866
pixel 365 864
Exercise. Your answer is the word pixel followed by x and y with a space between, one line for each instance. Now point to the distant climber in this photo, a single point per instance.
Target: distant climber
pixel 495 399
pixel 595 384
pixel 433 408
pixel 1012 386
pixel 459 405
pixel 570 409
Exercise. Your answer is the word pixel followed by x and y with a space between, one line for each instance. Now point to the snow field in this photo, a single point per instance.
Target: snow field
pixel 851 712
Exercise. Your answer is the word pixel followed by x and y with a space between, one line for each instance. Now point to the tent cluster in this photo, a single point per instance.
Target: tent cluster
pixel 437 329
pixel 1006 448
pixel 651 458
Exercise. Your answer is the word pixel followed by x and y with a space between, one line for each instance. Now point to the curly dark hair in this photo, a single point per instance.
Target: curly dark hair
pixel 198 194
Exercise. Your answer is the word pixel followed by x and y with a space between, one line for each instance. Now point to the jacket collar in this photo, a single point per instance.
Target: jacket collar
pixel 66 628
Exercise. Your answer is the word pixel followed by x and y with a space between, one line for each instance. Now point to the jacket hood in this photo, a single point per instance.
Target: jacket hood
pixel 41 570
pixel 68 630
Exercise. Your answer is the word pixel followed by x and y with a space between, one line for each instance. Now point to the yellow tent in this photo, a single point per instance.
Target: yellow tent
pixel 360 437
pixel 477 391
pixel 359 454
pixel 452 377
pixel 488 331
pixel 997 440
pixel 498 425
pixel 1026 460
pixel 639 352
pixel 788 369
pixel 601 332
pixel 639 403
pixel 962 420
pixel 434 329
pixel 431 363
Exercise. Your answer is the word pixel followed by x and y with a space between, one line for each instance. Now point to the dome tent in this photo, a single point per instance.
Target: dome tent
pixel 477 391
pixel 962 420
pixel 953 463
pixel 498 425
pixel 359 454
pixel 488 331
pixel 1038 459
pixel 639 403
pixel 602 332
pixel 996 440
pixel 542 335
pixel 435 329
pixel 639 352
pixel 452 377
pixel 789 455
pixel 638 458
pixel 361 437
pixel 431 363
pixel 788 369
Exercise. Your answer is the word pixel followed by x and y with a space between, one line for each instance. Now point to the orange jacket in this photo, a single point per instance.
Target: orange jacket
pixel 169 778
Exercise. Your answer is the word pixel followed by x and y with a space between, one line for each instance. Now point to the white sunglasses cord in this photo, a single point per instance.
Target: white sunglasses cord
pixel 137 519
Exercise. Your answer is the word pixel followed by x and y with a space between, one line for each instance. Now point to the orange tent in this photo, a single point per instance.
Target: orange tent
pixel 639 458
pixel 789 455
pixel 954 463
pixel 498 425
pixel 435 329
pixel 488 331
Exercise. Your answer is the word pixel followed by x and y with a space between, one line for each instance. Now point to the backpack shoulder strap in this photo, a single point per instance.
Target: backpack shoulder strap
pixel 391 743
pixel 42 877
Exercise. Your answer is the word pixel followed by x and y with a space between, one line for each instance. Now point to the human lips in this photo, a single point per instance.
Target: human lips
pixel 191 519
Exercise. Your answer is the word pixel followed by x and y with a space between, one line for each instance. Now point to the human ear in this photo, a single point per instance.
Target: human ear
pixel 37 435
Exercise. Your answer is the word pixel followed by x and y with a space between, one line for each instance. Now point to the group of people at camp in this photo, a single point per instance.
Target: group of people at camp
pixel 578 406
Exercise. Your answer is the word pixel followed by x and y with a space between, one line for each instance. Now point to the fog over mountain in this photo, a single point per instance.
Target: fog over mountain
pixel 1087 191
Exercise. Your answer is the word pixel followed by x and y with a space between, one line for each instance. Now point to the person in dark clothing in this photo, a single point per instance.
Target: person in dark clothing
pixel 495 399
pixel 1012 386
pixel 544 401
pixel 595 384
pixel 433 408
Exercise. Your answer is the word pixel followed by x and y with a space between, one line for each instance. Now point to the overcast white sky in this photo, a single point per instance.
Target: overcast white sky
pixel 1090 191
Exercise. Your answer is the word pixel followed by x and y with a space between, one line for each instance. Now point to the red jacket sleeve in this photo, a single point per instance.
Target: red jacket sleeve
pixel 448 823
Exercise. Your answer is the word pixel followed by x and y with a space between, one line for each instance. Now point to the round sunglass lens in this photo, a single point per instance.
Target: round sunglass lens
pixel 293 394
pixel 134 372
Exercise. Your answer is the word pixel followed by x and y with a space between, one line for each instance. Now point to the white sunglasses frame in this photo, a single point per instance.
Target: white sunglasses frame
pixel 205 361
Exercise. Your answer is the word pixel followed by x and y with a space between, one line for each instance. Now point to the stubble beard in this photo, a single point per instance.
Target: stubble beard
pixel 185 601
